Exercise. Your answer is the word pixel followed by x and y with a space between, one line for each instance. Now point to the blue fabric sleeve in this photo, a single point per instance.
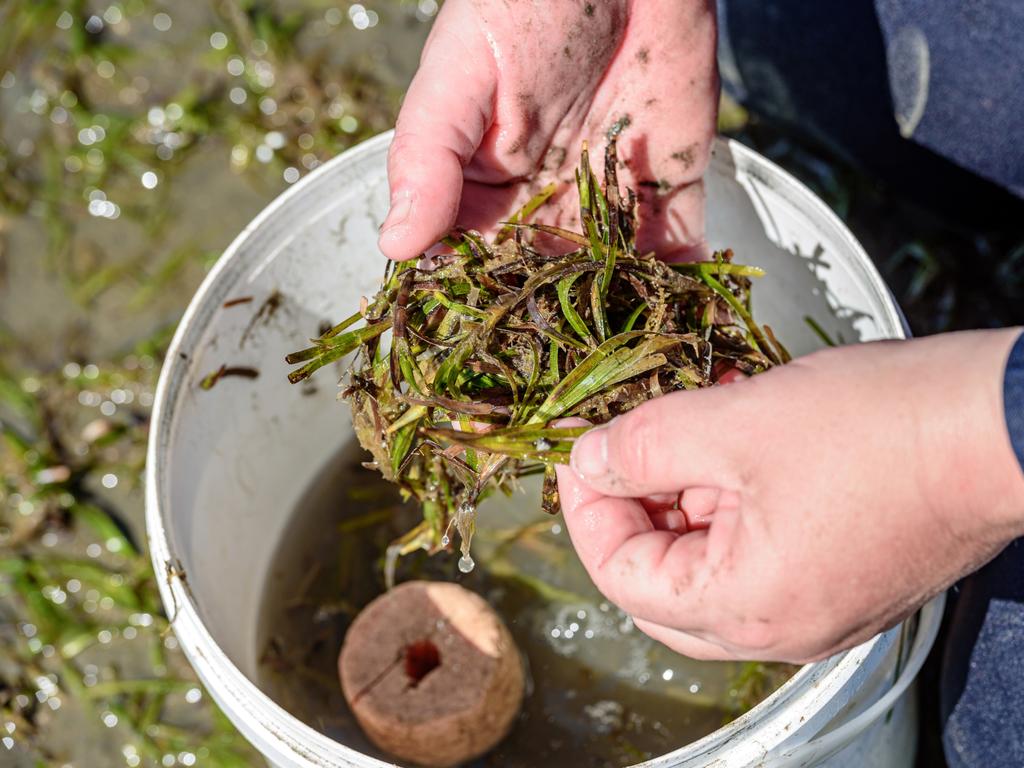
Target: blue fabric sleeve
pixel 955 81
pixel 1013 397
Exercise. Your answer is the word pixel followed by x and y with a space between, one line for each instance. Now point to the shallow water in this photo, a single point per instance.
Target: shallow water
pixel 600 693
pixel 88 291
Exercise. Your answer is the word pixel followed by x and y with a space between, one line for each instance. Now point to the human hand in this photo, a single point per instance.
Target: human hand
pixel 821 502
pixel 507 92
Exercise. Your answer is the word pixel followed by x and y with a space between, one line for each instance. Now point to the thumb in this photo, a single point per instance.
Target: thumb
pixel 447 110
pixel 664 445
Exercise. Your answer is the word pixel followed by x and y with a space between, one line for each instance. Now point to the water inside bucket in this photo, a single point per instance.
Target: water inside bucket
pixel 600 692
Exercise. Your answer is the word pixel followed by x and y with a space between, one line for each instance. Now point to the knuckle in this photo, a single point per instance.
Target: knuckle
pixel 403 149
pixel 606 584
pixel 752 637
pixel 633 444
pixel 614 578
pixel 400 143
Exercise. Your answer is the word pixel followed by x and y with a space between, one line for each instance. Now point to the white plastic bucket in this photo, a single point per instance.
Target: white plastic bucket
pixel 227 466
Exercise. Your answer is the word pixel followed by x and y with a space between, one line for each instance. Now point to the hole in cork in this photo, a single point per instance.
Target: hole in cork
pixel 421 658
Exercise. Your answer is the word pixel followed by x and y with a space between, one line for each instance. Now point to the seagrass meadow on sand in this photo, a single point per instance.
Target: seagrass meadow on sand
pixel 465 362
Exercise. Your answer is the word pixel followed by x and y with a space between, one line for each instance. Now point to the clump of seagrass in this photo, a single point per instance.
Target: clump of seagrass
pixel 462 365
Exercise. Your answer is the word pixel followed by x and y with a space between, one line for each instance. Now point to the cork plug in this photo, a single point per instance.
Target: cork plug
pixel 431 674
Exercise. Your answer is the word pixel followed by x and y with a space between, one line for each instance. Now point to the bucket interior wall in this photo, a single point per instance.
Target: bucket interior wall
pixel 242 453
pixel 250 448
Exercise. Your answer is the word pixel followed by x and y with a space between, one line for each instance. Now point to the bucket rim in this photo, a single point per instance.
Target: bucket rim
pixel 281 736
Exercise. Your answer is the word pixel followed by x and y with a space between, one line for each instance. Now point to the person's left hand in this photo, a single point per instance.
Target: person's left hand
pixel 507 92
pixel 819 503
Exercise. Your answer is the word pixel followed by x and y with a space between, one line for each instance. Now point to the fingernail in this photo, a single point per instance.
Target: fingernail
pixel 589 458
pixel 401 207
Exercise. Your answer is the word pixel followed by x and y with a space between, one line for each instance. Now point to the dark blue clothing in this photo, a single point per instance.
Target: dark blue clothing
pixel 956 77
pixel 983 662
pixel 1013 399
pixel 929 96
pixel 982 685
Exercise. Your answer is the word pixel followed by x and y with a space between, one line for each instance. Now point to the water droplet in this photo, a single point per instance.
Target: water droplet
pixel 445 540
pixel 466 564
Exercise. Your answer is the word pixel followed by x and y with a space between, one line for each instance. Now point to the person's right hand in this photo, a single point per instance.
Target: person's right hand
pixel 508 90
pixel 814 504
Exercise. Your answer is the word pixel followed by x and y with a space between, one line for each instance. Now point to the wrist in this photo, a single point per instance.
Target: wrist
pixel 976 475
pixel 1013 397
pixel 1009 434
